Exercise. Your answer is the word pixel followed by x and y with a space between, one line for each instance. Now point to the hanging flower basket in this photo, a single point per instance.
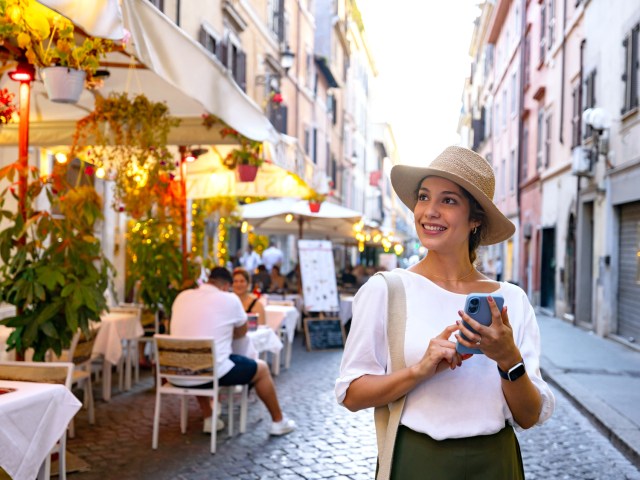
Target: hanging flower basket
pixel 63 84
pixel 247 173
pixel 314 206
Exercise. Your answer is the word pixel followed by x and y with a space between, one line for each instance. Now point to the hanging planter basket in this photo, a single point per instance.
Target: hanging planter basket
pixel 247 173
pixel 314 206
pixel 63 84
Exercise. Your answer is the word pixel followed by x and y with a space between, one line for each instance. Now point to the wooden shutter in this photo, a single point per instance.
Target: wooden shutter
pixel 221 52
pixel 240 73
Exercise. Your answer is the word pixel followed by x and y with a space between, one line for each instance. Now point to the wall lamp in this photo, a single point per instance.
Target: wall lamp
pixel 194 153
pixel 286 58
pixel 24 72
pixel 600 122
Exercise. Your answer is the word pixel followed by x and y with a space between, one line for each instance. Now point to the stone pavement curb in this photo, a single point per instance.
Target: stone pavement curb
pixel 584 386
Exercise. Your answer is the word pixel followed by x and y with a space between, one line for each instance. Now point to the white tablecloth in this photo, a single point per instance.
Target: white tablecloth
pixel 114 328
pixel 33 418
pixel 346 303
pixel 264 339
pixel 281 316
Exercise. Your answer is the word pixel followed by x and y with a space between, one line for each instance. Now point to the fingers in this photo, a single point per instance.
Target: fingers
pixel 446 333
pixel 495 311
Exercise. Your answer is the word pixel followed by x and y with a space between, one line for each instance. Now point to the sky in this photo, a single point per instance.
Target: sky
pixel 421 51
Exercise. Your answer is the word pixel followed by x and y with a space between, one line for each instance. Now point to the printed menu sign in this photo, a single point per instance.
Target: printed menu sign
pixel 317 269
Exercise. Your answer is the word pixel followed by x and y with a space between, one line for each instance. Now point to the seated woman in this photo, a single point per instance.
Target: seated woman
pixel 278 281
pixel 249 301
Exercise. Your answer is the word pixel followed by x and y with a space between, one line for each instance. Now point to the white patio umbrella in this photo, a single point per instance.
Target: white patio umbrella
pixel 269 217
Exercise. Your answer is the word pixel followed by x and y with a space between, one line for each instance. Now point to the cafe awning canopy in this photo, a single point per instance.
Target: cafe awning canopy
pixel 208 177
pixel 162 62
pixel 270 217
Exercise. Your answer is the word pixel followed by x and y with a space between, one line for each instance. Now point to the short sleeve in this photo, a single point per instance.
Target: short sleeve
pixel 239 315
pixel 366 350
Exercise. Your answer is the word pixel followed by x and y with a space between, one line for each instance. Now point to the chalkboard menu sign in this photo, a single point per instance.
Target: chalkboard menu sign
pixel 324 333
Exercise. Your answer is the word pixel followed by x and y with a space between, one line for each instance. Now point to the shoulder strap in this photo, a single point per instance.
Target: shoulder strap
pixel 387 418
pixel 248 310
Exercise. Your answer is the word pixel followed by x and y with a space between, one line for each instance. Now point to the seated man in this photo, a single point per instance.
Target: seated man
pixel 212 311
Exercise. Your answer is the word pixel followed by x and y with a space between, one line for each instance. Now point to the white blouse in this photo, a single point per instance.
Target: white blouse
pixel 464 402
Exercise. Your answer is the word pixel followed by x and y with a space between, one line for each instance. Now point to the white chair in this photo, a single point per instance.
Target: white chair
pixel 43 372
pixel 80 353
pixel 179 359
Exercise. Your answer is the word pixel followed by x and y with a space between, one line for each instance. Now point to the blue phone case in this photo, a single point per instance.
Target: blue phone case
pixel 477 307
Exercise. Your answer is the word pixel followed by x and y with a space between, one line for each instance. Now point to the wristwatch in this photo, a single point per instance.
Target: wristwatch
pixel 514 372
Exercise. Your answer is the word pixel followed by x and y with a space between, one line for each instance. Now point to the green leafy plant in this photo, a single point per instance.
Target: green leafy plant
pixel 248 152
pixel 44 38
pixel 128 138
pixel 53 269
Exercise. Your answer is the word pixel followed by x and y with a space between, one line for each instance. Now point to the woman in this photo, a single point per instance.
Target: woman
pixel 278 281
pixel 460 411
pixel 249 301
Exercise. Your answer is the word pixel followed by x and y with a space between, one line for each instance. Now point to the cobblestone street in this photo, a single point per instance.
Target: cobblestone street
pixel 330 442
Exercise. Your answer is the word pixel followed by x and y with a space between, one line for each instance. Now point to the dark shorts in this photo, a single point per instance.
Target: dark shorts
pixel 241 373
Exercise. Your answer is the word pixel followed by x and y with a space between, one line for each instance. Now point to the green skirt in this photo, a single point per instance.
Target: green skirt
pixel 491 457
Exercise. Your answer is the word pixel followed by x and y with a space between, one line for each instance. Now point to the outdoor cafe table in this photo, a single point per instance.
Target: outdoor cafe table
pixel 283 318
pixel 33 417
pixel 115 328
pixel 257 342
pixel 346 305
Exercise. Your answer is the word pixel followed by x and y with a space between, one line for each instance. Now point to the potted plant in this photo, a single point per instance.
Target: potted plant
pixel 46 39
pixel 246 158
pixel 315 201
pixel 52 267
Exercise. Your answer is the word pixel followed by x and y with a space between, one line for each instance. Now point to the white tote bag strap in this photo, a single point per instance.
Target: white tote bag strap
pixel 387 418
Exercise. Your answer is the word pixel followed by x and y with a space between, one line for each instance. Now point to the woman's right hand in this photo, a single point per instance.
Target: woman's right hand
pixel 440 355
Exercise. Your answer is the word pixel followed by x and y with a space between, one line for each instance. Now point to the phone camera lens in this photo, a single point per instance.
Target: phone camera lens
pixel 475 301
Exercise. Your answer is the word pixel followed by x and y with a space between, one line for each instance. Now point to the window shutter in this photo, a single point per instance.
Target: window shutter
pixel 202 36
pixel 221 52
pixel 241 70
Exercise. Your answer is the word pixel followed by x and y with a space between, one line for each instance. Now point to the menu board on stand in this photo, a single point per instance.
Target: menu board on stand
pixel 320 291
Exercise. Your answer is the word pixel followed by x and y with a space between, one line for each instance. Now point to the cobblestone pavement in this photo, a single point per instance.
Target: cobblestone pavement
pixel 330 442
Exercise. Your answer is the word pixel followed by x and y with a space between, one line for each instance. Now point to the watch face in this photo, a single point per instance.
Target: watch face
pixel 516 372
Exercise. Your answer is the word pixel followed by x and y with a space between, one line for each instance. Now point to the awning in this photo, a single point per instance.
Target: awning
pixel 207 177
pixel 166 65
pixel 103 19
pixel 269 217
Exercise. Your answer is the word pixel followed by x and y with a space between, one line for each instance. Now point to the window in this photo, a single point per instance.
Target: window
pixel 630 75
pixel 514 94
pixel 575 118
pixel 525 152
pixel 590 98
pixel 547 143
pixel 487 121
pixel 496 116
pixel 275 18
pixel 539 142
pixel 527 59
pixel 503 178
pixel 504 109
pixel 514 172
pixel 211 41
pixel 543 29
pixel 488 59
pixel 552 24
pixel 159 4
pixel 309 73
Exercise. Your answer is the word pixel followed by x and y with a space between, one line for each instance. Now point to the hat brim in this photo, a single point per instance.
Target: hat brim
pixel 405 181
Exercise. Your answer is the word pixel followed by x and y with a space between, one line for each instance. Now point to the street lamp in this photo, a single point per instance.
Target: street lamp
pixel 599 121
pixel 286 58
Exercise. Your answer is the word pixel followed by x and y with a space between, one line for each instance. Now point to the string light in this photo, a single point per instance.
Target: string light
pixel 61 158
pixel 288 218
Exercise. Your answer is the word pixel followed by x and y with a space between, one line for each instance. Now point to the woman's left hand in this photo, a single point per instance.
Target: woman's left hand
pixel 495 340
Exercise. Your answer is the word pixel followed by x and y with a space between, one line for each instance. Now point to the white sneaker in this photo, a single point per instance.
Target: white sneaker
pixel 207 425
pixel 282 427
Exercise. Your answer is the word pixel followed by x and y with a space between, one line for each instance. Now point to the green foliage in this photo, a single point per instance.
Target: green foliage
pixel 52 267
pixel 154 262
pixel 248 152
pixel 128 137
pixel 30 30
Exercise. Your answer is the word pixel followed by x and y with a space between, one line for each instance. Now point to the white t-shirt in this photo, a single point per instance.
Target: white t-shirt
pixel 464 402
pixel 250 261
pixel 272 256
pixel 207 311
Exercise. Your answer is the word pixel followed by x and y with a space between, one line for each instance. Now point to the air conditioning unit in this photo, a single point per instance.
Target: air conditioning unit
pixel 581 161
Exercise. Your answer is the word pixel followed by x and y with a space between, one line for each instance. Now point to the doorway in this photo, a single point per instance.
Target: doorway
pixel 548 269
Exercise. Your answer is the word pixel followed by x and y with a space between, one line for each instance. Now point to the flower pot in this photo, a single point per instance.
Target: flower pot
pixel 314 206
pixel 63 84
pixel 247 173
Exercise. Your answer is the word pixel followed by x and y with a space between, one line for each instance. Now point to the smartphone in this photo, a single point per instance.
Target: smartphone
pixel 477 307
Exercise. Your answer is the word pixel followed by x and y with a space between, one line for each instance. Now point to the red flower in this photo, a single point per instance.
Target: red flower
pixel 277 98
pixel 89 170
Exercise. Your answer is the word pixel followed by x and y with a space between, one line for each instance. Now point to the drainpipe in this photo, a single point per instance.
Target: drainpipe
pixel 523 32
pixel 562 75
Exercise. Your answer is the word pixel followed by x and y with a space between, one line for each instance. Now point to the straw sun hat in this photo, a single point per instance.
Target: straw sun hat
pixel 468 170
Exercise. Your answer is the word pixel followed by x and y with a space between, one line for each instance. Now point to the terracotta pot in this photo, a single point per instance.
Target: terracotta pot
pixel 63 84
pixel 247 173
pixel 314 206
